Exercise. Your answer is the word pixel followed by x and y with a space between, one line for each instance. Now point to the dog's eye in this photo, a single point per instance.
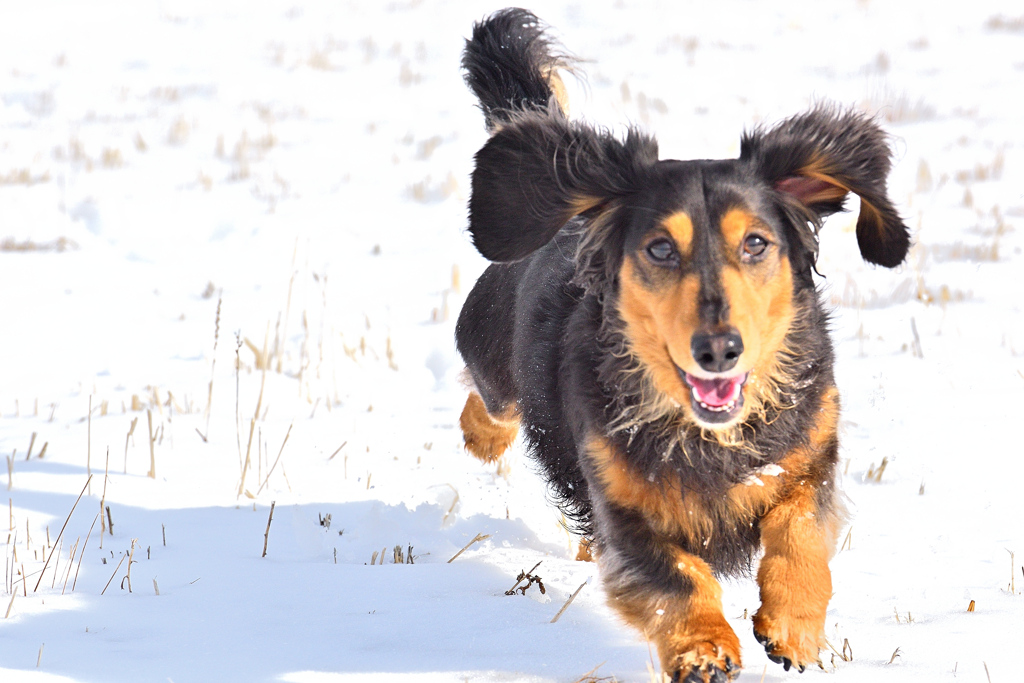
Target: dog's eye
pixel 662 252
pixel 753 247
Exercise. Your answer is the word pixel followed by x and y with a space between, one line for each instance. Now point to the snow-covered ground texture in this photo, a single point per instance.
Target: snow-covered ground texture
pixel 187 188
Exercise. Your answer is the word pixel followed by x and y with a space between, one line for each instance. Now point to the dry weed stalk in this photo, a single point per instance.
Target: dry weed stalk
pixel 909 619
pixel 127 439
pixel 82 556
pixel 848 541
pixel 589 677
pixel 345 443
pixel 847 653
pixel 1013 585
pixel 279 344
pixel 152 442
pixel 476 539
pixel 56 567
pixel 530 580
pixel 271 471
pixel 568 602
pixel 71 561
pixel 451 508
pixel 88 443
pixel 238 416
pixel 131 561
pixel 918 352
pixel 213 368
pixel 256 415
pixel 31 443
pixel 875 475
pixel 9 566
pixel 266 534
pixel 112 575
pixel 103 499
pixel 68 518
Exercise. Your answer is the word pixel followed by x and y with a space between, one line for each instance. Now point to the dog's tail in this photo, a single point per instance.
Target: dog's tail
pixel 512 66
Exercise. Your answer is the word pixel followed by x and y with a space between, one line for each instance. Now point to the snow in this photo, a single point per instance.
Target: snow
pixel 306 165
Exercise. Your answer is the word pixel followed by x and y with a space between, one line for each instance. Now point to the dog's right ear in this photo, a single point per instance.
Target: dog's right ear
pixel 816 159
pixel 540 170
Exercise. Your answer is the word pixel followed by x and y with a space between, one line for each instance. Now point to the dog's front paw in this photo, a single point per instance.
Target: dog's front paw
pixel 704 661
pixel 791 642
pixel 708 673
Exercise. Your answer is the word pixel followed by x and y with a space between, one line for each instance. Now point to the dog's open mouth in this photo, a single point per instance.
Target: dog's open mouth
pixel 716 400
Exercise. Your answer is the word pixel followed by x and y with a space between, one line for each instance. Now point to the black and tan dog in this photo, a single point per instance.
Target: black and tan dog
pixel 653 328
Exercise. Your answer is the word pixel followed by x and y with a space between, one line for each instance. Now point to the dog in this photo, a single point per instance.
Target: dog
pixel 653 328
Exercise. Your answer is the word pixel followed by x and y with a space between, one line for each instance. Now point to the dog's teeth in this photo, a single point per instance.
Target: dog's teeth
pixel 728 407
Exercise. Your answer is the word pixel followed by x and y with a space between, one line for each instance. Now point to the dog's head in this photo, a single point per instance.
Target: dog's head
pixel 703 261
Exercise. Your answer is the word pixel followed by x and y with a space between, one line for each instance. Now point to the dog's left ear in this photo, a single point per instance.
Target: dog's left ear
pixel 539 170
pixel 815 159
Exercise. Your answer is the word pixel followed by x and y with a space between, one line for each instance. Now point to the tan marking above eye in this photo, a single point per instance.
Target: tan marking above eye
pixel 735 224
pixel 739 224
pixel 680 227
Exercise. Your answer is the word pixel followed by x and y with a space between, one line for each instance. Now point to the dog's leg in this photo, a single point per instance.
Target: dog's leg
pixel 795 580
pixel 799 536
pixel 670 595
pixel 487 436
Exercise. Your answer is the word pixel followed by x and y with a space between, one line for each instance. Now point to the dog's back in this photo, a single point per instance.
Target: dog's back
pixel 515 316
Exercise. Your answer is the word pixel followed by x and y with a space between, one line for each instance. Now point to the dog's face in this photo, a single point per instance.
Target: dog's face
pixel 705 287
pixel 704 260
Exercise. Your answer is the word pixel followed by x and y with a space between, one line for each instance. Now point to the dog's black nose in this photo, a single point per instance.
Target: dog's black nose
pixel 717 352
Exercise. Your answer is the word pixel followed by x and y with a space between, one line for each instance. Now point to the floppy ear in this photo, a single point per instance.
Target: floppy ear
pixel 540 170
pixel 815 159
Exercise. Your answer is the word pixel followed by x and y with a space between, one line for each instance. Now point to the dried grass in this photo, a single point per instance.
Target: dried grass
pixel 1001 23
pixel 875 474
pixel 897 106
pixel 476 539
pixel 66 520
pixel 23 176
pixel 61 244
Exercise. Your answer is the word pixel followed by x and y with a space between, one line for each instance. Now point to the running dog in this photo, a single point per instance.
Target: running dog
pixel 653 328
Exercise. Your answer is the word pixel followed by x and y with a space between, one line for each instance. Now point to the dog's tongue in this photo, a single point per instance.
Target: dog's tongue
pixel 716 392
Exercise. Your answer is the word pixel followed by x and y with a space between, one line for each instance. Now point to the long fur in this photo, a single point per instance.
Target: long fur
pixel 554 335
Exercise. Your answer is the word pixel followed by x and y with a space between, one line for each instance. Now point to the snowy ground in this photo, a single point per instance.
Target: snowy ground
pixel 305 168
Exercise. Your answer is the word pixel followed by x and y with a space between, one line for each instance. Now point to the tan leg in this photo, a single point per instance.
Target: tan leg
pixel 487 436
pixel 795 581
pixel 694 641
pixel 799 537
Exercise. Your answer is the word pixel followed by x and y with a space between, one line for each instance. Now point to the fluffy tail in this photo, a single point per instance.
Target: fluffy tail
pixel 512 66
